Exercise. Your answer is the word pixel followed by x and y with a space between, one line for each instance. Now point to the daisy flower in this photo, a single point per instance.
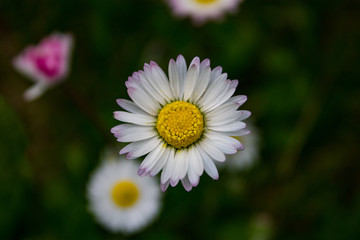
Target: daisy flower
pixel 246 158
pixel 121 200
pixel 46 64
pixel 182 123
pixel 202 10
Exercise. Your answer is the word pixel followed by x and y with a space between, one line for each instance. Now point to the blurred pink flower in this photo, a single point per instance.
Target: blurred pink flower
pixel 46 64
pixel 202 10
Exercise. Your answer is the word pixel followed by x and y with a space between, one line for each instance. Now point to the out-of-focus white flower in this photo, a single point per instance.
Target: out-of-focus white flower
pixel 182 123
pixel 246 158
pixel 121 200
pixel 46 64
pixel 202 10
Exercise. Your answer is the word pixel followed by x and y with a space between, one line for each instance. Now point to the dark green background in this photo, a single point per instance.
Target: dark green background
pixel 297 61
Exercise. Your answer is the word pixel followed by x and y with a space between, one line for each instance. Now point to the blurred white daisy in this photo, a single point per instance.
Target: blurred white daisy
pixel 183 123
pixel 246 158
pixel 121 200
pixel 46 64
pixel 202 10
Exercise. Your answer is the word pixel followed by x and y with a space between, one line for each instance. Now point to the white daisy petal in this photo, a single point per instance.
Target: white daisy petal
pixel 240 99
pixel 182 69
pixel 174 79
pixel 224 119
pixel 182 124
pixel 144 101
pixel 149 83
pixel 130 106
pixel 209 165
pixel 212 150
pixel 215 73
pixel 181 165
pixel 195 161
pixel 186 184
pixel 132 133
pixel 204 64
pixel 151 159
pixel 140 148
pixel 204 78
pixel 212 93
pixel 235 126
pixel 223 96
pixel 162 82
pixel 161 163
pixel 241 132
pixel 218 137
pixel 196 166
pixel 164 186
pixel 168 168
pixel 139 119
pixel 191 80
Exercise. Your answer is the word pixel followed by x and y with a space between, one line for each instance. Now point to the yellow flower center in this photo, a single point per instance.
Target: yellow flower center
pixel 125 193
pixel 205 1
pixel 180 124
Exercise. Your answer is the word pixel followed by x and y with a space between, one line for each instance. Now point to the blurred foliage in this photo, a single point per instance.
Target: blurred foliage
pixel 298 62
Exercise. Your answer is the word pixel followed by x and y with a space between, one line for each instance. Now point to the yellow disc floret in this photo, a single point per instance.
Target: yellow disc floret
pixel 205 1
pixel 180 124
pixel 125 193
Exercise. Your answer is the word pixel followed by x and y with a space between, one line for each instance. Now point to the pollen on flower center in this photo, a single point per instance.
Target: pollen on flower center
pixel 205 1
pixel 125 194
pixel 180 124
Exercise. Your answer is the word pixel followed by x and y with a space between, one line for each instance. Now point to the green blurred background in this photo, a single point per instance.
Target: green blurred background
pixel 298 63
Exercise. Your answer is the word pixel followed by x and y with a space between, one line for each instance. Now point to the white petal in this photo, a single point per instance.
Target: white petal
pixel 204 64
pixel 223 119
pixel 174 79
pixel 218 137
pixel 151 159
pixel 186 184
pixel 132 133
pixel 196 166
pixel 213 91
pixel 209 165
pixel 240 132
pixel 225 148
pixel 130 106
pixel 164 186
pixel 135 118
pixel 161 163
pixel 223 96
pixel 174 182
pixel 181 165
pixel 168 168
pixel 224 109
pixel 162 82
pixel 204 78
pixel 153 92
pixel 215 73
pixel 140 148
pixel 144 101
pixel 158 163
pixel 235 126
pixel 195 161
pixel 190 81
pixel 182 69
pixel 239 99
pixel 212 150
